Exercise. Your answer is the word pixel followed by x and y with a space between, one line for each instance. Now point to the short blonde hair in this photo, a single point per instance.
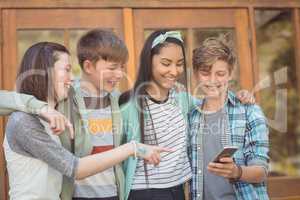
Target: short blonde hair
pixel 212 50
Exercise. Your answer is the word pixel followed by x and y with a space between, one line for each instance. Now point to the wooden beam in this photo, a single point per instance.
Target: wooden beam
pixel 9 66
pixel 254 51
pixel 67 39
pixel 278 187
pixel 163 18
pixel 296 25
pixel 3 190
pixel 129 40
pixel 10 45
pixel 74 18
pixel 149 4
pixel 243 47
pixel 190 40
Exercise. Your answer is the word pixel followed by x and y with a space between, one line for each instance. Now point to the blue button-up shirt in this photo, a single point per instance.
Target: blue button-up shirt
pixel 247 129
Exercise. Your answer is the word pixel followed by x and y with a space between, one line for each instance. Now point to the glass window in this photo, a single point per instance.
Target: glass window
pixel 279 93
pixel 74 36
pixel 27 38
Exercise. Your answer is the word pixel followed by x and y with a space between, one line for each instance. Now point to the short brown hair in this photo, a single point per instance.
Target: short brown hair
pixel 101 44
pixel 35 74
pixel 211 50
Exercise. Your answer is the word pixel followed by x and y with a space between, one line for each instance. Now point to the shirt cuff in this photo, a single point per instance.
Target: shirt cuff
pixel 259 162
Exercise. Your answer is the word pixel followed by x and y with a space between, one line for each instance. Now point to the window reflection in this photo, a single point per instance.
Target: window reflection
pixel 278 88
pixel 27 38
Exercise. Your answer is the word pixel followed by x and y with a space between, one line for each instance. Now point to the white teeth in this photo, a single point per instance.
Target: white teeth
pixel 112 82
pixel 171 79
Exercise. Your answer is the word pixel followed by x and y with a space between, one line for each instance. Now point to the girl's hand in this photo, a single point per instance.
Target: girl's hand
pixel 151 153
pixel 245 97
pixel 227 168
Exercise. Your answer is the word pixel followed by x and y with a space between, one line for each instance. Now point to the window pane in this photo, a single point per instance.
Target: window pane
pixel 74 36
pixel 278 88
pixel 27 38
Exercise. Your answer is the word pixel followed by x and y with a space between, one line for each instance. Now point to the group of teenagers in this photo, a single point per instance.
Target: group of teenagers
pixel 81 139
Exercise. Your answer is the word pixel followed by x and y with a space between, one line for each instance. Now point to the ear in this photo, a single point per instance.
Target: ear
pixel 88 67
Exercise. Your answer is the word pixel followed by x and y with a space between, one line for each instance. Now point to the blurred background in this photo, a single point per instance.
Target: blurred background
pixel 265 35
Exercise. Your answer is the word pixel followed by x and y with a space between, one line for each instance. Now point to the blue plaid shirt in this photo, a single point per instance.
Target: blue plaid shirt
pixel 247 129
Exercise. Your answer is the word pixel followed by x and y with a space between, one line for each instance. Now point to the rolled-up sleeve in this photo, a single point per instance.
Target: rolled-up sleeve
pixel 256 138
pixel 13 101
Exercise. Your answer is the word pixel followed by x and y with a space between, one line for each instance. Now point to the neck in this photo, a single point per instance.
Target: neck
pixel 157 93
pixel 214 103
pixel 87 85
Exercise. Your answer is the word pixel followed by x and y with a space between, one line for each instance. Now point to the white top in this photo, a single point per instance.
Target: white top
pixel 28 141
pixel 171 132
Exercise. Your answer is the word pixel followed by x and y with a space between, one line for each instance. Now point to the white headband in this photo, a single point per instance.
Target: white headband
pixel 162 37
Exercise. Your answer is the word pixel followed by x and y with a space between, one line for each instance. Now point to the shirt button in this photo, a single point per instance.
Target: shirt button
pixel 198 148
pixel 199 172
pixel 198 195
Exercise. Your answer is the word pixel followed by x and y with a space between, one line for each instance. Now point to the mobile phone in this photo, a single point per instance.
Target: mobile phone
pixel 228 151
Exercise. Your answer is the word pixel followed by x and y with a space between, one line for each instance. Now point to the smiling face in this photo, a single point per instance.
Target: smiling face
pixel 214 82
pixel 104 75
pixel 62 72
pixel 167 66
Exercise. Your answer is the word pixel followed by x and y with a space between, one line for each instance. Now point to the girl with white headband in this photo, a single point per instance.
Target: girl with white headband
pixel 155 112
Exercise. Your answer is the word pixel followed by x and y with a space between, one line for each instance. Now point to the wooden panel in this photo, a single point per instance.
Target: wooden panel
pixel 183 18
pixel 254 53
pixel 3 190
pixel 243 46
pixel 147 3
pixel 189 50
pixel 69 18
pixel 284 187
pixel 129 40
pixel 10 53
pixel 192 18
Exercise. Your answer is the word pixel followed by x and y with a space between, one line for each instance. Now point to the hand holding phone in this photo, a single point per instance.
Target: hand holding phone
pixel 228 151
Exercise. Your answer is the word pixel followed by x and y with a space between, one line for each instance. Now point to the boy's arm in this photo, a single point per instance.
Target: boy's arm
pixel 11 101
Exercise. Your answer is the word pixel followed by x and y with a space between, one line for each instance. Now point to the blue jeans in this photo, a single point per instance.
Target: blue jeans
pixel 173 193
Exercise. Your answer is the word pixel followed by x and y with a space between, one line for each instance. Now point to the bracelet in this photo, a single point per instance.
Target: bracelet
pixel 135 148
pixel 240 173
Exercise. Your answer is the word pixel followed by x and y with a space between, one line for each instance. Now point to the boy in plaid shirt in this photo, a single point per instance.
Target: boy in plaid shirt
pixel 221 120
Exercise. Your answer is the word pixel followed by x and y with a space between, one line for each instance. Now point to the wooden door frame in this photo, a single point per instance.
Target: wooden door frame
pixel 129 5
pixel 149 4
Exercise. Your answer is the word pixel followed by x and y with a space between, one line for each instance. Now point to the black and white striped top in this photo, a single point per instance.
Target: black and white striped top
pixel 171 131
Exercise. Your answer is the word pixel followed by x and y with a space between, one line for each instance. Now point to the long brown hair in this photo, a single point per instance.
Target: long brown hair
pixel 35 76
